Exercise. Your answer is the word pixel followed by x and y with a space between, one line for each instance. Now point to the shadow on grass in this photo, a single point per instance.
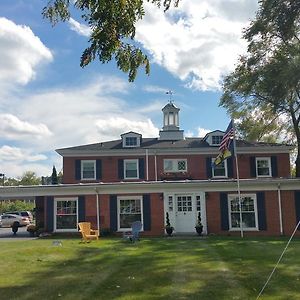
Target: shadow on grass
pixel 214 268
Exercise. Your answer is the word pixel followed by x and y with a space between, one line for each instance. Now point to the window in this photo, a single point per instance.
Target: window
pixel 198 203
pixel 88 168
pixel 216 139
pixel 131 169
pixel 66 214
pixel 175 165
pixel 220 170
pixel 263 167
pixel 130 210
pixel 184 203
pixel 249 212
pixel 170 203
pixel 130 141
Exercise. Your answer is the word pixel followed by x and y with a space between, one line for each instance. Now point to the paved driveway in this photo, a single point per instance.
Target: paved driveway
pixel 6 233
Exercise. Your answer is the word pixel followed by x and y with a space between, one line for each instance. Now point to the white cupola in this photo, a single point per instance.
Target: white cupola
pixel 170 130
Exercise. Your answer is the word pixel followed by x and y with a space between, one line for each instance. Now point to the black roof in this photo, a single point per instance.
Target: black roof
pixel 156 143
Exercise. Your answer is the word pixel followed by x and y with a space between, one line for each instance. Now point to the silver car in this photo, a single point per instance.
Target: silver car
pixel 7 220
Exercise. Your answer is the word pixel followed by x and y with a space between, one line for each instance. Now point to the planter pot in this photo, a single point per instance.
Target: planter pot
pixel 199 230
pixel 169 230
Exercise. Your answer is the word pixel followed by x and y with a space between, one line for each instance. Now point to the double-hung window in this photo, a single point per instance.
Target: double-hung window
pixel 88 169
pixel 66 216
pixel 175 165
pixel 131 169
pixel 220 171
pixel 248 209
pixel 130 141
pixel 263 167
pixel 216 140
pixel 129 210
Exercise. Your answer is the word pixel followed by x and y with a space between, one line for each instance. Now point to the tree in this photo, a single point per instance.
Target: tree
pixel 113 26
pixel 264 89
pixel 29 178
pixel 54 179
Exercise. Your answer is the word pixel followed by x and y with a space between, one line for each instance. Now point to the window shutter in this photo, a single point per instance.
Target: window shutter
pixel 230 167
pixel 274 166
pixel 261 211
pixel 50 213
pixel 297 207
pixel 146 212
pixel 141 168
pixel 121 168
pixel 252 166
pixel 98 169
pixel 208 167
pixel 77 169
pixel 113 213
pixel 81 209
pixel 224 211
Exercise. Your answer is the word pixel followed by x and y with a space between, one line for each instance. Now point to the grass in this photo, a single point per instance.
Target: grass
pixel 158 268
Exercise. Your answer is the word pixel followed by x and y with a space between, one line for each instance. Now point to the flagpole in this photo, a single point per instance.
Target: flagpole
pixel 238 179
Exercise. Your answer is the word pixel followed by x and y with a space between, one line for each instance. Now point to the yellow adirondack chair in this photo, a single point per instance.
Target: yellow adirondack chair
pixel 88 233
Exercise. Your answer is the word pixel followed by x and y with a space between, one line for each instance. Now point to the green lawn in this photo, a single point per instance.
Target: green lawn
pixel 157 268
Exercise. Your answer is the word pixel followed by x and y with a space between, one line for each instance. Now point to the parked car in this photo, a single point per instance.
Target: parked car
pixel 7 220
pixel 22 213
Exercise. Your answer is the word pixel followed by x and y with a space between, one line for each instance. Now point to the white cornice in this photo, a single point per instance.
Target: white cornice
pixel 151 187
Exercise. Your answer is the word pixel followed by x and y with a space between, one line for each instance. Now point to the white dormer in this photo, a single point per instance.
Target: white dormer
pixel 214 138
pixel 131 139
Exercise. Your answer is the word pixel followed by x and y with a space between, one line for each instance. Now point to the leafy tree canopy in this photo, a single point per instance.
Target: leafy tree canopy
pixel 113 26
pixel 263 92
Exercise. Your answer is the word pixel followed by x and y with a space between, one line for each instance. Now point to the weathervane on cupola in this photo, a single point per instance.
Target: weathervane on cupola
pixel 170 93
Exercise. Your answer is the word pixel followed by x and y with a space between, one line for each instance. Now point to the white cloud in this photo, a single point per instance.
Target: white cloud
pixel 202 132
pixel 198 42
pixel 113 127
pixel 73 114
pixel 12 127
pixel 80 28
pixel 8 153
pixel 21 53
pixel 155 89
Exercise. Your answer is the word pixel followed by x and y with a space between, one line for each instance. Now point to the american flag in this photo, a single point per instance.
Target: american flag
pixel 228 136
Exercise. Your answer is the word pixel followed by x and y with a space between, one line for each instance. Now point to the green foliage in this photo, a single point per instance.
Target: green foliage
pixel 113 26
pixel 15 206
pixel 263 91
pixel 28 178
pixel 54 178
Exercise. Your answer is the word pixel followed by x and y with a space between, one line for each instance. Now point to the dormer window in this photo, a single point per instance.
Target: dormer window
pixel 131 139
pixel 216 140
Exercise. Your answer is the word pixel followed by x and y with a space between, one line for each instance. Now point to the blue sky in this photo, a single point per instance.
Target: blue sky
pixel 47 101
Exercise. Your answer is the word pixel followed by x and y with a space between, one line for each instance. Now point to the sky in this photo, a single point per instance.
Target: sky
pixel 47 101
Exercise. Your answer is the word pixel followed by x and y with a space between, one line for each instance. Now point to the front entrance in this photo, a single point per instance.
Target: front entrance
pixel 184 213
pixel 183 210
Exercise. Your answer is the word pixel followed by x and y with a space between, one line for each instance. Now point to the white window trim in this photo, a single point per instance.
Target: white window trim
pixel 231 197
pixel 82 163
pixel 118 210
pixel 55 217
pixel 138 140
pixel 176 163
pixel 218 144
pixel 226 170
pixel 137 168
pixel 270 167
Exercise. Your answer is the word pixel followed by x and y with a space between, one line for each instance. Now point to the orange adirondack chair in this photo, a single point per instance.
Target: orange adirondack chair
pixel 88 233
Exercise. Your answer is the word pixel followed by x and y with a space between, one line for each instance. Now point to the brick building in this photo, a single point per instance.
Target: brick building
pixel 114 183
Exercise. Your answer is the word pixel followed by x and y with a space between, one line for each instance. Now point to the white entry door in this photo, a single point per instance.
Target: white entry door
pixel 184 213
